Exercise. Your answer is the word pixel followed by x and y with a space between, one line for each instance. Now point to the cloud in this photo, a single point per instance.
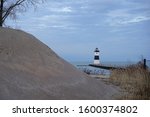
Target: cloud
pixel 138 19
pixel 65 9
pixel 86 14
pixel 126 16
pixel 127 12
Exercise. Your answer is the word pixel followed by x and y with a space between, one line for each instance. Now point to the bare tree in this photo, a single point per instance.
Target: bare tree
pixel 9 8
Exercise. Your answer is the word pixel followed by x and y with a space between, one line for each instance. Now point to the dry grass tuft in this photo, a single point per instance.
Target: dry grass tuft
pixel 134 80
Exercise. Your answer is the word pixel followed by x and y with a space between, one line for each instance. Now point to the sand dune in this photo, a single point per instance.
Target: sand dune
pixel 31 70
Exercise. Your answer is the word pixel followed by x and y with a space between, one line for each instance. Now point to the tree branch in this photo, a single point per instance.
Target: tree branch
pixel 1 13
pixel 10 7
pixel 8 11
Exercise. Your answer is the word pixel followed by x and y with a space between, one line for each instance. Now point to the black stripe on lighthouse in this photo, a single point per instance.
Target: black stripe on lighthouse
pixel 96 57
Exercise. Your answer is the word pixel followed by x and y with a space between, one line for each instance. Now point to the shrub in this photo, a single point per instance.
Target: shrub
pixel 134 80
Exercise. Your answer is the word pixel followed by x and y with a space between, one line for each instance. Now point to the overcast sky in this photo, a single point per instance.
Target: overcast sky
pixel 74 28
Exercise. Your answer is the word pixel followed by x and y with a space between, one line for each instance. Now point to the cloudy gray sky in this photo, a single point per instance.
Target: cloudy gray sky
pixel 74 28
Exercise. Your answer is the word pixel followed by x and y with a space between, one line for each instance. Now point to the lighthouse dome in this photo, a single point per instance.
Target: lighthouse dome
pixel 96 50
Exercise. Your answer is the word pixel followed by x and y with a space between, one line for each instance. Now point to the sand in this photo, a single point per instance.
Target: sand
pixel 31 70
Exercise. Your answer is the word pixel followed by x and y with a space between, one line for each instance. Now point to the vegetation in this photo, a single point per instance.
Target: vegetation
pixel 9 8
pixel 134 80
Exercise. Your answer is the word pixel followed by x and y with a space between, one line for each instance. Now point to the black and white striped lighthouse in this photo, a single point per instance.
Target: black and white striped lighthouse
pixel 96 56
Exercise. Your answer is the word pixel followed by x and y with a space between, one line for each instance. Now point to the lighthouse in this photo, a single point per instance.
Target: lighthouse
pixel 96 56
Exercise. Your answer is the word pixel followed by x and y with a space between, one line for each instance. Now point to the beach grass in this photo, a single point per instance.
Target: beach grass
pixel 134 82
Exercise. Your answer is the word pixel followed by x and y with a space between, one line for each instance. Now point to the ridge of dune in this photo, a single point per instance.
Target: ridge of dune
pixel 31 70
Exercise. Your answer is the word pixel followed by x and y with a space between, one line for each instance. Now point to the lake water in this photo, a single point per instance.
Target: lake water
pixel 83 66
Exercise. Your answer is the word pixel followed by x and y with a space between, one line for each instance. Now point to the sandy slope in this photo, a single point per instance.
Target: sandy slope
pixel 31 70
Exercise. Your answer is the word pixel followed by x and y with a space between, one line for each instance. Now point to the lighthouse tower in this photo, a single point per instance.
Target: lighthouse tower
pixel 96 56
